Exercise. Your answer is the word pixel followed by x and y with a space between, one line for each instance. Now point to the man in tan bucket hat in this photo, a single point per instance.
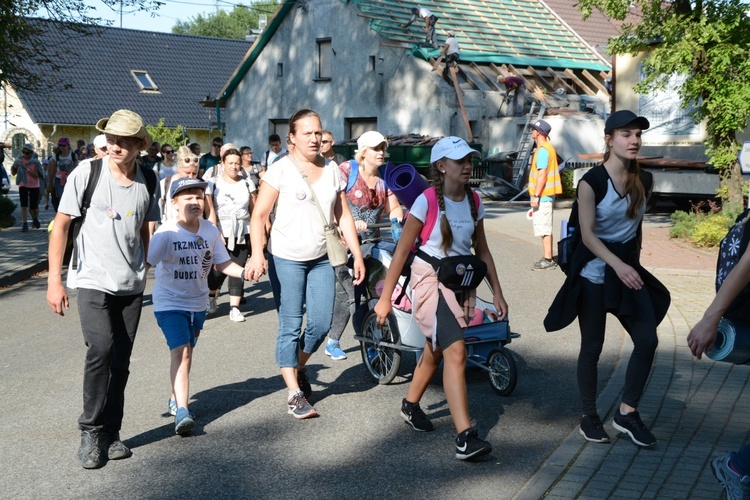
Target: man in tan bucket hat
pixel 112 244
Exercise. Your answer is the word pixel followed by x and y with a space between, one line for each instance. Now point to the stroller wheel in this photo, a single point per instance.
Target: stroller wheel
pixel 382 362
pixel 503 374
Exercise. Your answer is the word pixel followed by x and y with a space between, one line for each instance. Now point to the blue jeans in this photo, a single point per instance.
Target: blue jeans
pixel 299 286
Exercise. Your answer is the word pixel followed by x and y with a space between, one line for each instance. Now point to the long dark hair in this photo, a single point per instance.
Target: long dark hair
pixel 437 178
pixel 633 185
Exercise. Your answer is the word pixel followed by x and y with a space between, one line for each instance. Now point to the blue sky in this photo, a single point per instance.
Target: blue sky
pixel 162 20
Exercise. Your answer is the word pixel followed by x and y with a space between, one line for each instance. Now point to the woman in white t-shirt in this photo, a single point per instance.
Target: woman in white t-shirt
pixel 233 196
pixel 168 166
pixel 301 275
pixel 440 314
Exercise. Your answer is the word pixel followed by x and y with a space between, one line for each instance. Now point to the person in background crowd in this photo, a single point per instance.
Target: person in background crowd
pixel 544 185
pixel 208 160
pixel 59 168
pixel 368 199
pixel 29 178
pixel 326 148
pixel 274 150
pixel 233 197
pixel 196 149
pixel 80 143
pixel 100 146
pixel 83 153
pixel 252 170
pixel 187 166
pixel 166 167
pixel 301 275
pixel 152 156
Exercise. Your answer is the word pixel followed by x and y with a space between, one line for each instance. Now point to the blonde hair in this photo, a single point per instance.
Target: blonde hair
pixel 182 153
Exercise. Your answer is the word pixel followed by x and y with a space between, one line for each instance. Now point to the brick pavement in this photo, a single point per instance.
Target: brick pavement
pixel 696 409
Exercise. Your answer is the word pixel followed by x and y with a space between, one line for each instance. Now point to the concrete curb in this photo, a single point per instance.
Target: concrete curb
pixel 23 274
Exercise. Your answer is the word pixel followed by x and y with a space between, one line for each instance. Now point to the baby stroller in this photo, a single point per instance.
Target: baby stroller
pixel 381 347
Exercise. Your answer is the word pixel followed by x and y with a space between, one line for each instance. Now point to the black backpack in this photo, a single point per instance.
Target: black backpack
pixel 598 179
pixel 731 249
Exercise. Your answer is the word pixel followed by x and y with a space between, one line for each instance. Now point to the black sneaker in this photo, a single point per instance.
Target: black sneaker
pixel 468 445
pixel 25 227
pixel 304 383
pixel 414 416
pixel 90 452
pixel 633 426
pixel 116 449
pixel 300 408
pixel 593 430
pixel 36 224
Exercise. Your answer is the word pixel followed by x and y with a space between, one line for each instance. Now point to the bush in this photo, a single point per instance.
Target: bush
pixel 566 178
pixel 704 226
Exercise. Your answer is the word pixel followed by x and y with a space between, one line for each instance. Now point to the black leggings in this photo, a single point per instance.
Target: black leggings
pixel 236 285
pixel 592 320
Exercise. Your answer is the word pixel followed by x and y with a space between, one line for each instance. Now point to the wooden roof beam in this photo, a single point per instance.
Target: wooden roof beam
pixel 579 82
pixel 479 71
pixel 558 81
pixel 596 82
pixel 539 77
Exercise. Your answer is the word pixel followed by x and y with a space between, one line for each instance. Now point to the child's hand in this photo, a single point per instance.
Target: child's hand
pixel 502 307
pixel 383 309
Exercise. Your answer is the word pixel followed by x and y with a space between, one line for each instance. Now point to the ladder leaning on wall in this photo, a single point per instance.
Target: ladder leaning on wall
pixel 524 149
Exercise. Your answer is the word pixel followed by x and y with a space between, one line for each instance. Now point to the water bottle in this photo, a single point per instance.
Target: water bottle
pixel 396 229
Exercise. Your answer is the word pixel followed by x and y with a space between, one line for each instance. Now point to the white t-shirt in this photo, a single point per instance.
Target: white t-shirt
pixel 110 249
pixel 164 171
pixel 231 202
pixel 452 44
pixel 297 232
pixel 183 260
pixel 271 157
pixel 461 222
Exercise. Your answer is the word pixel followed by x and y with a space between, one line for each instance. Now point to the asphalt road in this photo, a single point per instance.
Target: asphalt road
pixel 245 444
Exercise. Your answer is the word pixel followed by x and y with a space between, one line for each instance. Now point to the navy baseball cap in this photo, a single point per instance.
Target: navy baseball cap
pixel 542 127
pixel 186 183
pixel 623 118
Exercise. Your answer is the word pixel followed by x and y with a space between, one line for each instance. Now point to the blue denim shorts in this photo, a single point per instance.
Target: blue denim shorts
pixel 180 327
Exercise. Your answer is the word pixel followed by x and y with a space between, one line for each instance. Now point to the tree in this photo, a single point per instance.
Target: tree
pixel 236 24
pixel 165 135
pixel 706 41
pixel 23 52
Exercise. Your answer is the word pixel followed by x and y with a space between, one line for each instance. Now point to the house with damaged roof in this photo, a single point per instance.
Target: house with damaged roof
pixel 355 64
pixel 100 70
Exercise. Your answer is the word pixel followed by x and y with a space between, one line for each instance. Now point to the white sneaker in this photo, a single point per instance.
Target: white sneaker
pixel 236 316
pixel 212 306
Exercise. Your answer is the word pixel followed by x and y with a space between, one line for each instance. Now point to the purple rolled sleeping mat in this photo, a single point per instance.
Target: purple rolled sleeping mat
pixel 732 343
pixel 404 181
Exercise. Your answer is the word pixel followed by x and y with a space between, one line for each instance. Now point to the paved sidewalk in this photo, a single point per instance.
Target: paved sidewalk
pixel 23 254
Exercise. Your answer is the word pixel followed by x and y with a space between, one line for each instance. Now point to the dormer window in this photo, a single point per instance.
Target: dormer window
pixel 144 80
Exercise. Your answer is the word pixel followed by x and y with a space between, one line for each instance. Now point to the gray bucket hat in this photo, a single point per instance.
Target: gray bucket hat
pixel 124 123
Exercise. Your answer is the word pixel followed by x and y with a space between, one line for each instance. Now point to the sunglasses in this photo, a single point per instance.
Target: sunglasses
pixel 188 160
pixel 217 145
pixel 325 141
pixel 170 152
pixel 247 153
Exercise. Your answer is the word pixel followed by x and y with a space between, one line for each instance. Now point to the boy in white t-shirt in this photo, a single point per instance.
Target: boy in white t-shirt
pixel 183 251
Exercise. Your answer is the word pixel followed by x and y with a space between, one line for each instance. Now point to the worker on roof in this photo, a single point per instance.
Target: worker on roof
pixel 430 20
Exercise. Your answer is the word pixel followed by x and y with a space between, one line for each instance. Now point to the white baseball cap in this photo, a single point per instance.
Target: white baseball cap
pixel 371 139
pixel 451 147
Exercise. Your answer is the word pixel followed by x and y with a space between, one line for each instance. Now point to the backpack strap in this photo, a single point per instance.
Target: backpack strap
pixel 151 179
pixel 432 214
pixel 353 174
pixel 88 193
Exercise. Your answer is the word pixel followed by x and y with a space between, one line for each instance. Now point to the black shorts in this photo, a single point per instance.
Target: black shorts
pixel 29 197
pixel 448 330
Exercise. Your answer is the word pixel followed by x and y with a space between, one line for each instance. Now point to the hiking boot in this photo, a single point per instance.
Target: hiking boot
pixel 333 349
pixel 414 416
pixel 468 445
pixel 304 383
pixel 737 487
pixel 212 304
pixel 116 449
pixel 236 316
pixel 25 227
pixel 544 264
pixel 633 426
pixel 183 422
pixel 300 408
pixel 592 429
pixel 90 452
pixel 35 224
